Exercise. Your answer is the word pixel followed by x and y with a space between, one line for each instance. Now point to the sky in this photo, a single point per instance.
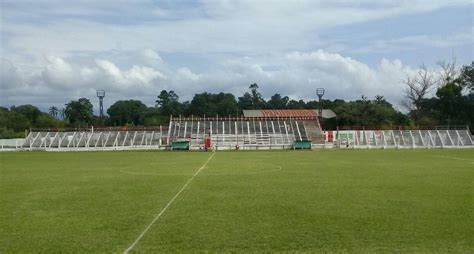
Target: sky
pixel 52 52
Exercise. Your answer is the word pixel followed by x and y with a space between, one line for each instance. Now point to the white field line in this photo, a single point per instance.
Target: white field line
pixel 167 205
pixel 275 169
pixel 454 158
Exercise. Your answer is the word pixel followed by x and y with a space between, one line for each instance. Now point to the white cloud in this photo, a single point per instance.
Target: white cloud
pixel 57 72
pixel 143 74
pixel 459 37
pixel 9 76
pixel 151 57
pixel 245 27
pixel 299 75
pixel 113 46
pixel 186 74
pixel 111 71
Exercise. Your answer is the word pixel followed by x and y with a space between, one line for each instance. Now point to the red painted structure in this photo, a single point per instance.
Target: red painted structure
pixel 207 142
pixel 289 113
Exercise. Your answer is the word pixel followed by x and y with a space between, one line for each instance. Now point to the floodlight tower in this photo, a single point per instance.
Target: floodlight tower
pixel 320 93
pixel 101 95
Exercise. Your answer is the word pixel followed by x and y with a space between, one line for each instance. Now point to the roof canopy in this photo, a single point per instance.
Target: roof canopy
pixel 288 113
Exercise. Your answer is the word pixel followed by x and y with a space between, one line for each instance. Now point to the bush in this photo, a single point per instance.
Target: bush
pixel 45 120
pixel 9 133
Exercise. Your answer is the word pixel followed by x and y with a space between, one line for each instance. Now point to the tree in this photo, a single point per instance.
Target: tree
pixel 127 112
pixel 380 100
pixel 294 104
pixel 46 120
pixel 29 111
pixel 278 102
pixel 54 111
pixel 168 103
pixel 467 76
pixel 376 113
pixel 203 104
pixel 153 117
pixel 449 106
pixel 245 101
pixel 449 71
pixel 252 100
pixel 62 113
pixel 257 100
pixel 226 104
pixel 79 112
pixel 450 100
pixel 417 87
pixel 452 106
pixel 213 104
pixel 14 121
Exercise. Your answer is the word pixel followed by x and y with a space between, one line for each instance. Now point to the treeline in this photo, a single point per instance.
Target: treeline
pixel 452 105
pixel 79 113
pixel 14 122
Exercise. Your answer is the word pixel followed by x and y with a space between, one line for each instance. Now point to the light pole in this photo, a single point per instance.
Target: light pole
pixel 320 93
pixel 101 95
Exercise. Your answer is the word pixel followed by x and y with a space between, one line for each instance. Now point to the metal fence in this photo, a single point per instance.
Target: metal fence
pixel 90 140
pixel 441 138
pixel 254 134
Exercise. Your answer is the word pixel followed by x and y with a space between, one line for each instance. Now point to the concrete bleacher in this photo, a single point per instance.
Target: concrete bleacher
pixel 309 118
pixel 231 133
pixel 255 129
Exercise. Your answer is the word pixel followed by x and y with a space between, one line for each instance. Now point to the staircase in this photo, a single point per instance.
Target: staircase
pixel 314 132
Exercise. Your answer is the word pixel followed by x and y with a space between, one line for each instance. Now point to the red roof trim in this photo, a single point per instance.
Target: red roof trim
pixel 289 113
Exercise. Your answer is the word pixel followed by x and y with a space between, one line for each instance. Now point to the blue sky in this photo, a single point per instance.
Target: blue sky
pixel 55 51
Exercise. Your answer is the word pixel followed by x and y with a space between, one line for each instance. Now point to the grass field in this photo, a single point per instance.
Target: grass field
pixel 266 201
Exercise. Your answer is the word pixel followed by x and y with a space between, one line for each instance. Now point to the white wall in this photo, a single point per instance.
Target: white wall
pixel 14 142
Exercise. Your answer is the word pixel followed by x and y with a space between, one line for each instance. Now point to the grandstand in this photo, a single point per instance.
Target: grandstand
pixel 264 129
pixel 256 129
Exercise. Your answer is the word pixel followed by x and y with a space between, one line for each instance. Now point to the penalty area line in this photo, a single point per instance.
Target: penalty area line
pixel 168 205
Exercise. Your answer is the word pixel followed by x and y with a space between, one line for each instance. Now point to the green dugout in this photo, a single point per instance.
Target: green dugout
pixel 180 145
pixel 302 144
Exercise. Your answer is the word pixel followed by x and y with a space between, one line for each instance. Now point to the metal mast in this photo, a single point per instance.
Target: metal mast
pixel 320 93
pixel 101 95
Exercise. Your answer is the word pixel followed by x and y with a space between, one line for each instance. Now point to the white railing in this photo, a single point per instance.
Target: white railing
pixel 403 139
pixel 13 143
pixel 87 140
pixel 233 135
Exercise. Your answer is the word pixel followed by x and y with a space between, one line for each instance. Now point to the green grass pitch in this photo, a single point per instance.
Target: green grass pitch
pixel 267 201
